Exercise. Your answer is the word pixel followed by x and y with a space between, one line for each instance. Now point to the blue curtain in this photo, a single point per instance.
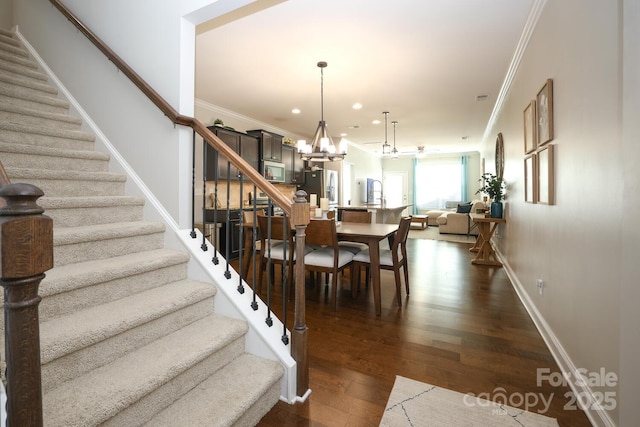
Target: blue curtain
pixel 414 197
pixel 464 170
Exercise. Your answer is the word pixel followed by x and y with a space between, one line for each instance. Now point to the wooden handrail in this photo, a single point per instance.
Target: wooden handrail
pixel 179 119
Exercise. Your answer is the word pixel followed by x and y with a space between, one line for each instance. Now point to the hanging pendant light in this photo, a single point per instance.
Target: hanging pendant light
pixel 386 148
pixel 322 148
pixel 394 152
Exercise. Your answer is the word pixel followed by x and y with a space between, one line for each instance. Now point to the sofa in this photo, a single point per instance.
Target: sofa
pixel 458 221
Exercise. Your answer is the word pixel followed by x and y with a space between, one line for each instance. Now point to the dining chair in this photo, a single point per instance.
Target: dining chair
pixel 362 217
pixel 276 247
pixel 328 258
pixel 356 216
pixel 390 259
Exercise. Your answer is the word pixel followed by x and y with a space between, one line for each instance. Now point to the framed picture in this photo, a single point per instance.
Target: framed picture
pixel 530 142
pixel 544 114
pixel 529 179
pixel 545 182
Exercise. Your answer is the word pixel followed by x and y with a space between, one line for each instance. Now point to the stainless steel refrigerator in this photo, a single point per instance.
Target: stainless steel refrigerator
pixel 314 183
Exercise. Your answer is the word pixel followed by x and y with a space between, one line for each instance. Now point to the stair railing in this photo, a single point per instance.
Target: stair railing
pixel 26 252
pixel 298 211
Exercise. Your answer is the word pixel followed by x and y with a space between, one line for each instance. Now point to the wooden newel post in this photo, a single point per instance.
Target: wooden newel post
pixel 26 252
pixel 300 334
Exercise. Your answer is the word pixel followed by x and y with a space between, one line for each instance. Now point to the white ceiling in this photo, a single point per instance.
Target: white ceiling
pixel 424 61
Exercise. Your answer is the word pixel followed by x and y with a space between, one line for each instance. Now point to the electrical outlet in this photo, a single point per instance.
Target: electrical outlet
pixel 540 285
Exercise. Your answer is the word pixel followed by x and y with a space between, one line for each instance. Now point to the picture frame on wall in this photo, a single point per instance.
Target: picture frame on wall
pixel 545 181
pixel 530 193
pixel 544 113
pixel 529 113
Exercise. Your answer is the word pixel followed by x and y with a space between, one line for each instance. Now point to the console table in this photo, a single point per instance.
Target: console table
pixel 485 253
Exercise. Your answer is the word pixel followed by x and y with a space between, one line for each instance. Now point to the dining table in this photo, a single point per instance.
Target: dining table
pixel 369 234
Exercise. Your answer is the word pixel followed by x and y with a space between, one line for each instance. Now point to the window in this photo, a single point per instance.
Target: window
pixel 438 180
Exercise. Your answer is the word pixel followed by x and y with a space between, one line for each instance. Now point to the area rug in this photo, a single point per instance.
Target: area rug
pixel 432 233
pixel 413 403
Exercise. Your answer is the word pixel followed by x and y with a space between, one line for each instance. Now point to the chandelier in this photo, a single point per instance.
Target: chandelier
pixel 322 148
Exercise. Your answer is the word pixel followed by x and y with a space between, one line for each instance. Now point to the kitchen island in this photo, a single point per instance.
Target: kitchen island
pixel 381 215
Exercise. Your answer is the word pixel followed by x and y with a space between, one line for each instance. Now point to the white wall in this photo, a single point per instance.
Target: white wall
pixel 576 245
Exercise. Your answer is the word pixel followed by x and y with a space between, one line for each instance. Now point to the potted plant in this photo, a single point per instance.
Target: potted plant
pixel 493 187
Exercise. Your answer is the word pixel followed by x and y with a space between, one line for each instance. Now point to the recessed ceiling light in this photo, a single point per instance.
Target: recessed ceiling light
pixel 296 111
pixel 357 106
pixel 343 134
pixel 376 122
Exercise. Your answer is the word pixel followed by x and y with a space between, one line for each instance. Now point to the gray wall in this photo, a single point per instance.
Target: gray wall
pixel 6 14
pixel 577 246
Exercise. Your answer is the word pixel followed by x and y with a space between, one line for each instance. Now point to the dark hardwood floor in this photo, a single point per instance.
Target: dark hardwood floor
pixel 462 328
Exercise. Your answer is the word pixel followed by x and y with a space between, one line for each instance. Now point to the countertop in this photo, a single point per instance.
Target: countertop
pixel 373 206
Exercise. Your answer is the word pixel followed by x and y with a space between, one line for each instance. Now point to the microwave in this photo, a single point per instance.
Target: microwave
pixel 273 171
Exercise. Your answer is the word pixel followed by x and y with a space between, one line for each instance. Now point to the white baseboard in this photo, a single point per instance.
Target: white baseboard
pixel 597 417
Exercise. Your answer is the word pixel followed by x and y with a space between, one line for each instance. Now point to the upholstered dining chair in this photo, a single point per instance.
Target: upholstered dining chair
pixel 276 247
pixel 390 259
pixel 362 217
pixel 328 257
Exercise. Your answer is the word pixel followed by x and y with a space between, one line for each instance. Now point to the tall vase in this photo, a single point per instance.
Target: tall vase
pixel 496 209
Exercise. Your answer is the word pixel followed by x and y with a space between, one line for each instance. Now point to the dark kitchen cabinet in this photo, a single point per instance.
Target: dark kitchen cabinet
pixel 245 145
pixel 232 241
pixel 270 144
pixel 293 165
pixel 218 223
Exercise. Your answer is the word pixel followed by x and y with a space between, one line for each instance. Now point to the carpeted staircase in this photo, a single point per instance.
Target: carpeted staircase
pixel 126 337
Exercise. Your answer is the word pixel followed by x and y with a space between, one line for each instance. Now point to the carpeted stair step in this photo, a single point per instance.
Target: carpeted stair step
pixel 12 48
pixel 31 117
pixel 46 137
pixel 79 211
pixel 9 94
pixel 6 38
pixel 32 157
pixel 21 67
pixel 131 388
pixel 251 388
pixel 28 84
pixel 71 183
pixel 78 286
pixel 75 344
pixel 79 244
